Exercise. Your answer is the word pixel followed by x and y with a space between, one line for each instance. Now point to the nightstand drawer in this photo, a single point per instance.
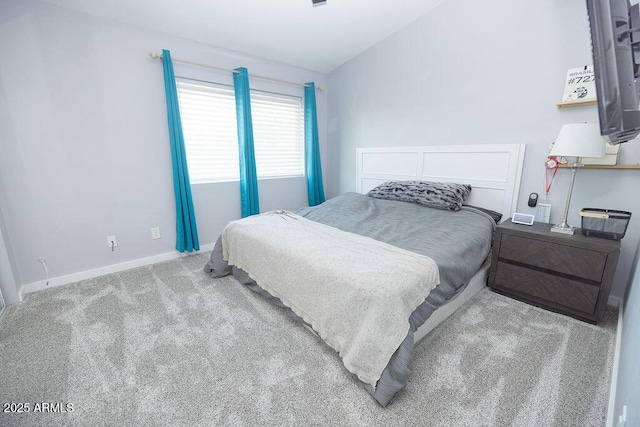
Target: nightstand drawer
pixel 577 262
pixel 547 287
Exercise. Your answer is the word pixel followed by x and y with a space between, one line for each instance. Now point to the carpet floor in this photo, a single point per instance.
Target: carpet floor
pixel 166 345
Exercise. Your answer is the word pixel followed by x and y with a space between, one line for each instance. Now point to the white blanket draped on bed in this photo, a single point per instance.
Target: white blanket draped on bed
pixel 356 292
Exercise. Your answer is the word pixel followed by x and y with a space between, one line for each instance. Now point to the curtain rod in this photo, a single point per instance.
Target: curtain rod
pixel 156 55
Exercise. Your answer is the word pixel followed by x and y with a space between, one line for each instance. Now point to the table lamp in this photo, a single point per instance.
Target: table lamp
pixel 576 140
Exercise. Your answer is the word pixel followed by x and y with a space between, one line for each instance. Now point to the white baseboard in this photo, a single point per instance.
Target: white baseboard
pixel 616 361
pixel 114 268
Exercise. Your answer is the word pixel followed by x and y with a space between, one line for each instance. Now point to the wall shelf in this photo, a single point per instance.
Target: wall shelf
pixel 619 167
pixel 579 103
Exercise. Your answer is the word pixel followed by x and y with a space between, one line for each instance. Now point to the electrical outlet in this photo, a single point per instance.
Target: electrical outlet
pixel 155 232
pixel 112 242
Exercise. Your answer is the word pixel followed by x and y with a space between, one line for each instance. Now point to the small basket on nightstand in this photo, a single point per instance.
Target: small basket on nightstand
pixel 604 223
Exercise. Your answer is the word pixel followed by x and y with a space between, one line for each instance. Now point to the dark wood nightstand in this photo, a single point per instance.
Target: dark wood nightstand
pixel 567 274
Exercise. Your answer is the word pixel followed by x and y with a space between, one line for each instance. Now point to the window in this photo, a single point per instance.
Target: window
pixel 208 113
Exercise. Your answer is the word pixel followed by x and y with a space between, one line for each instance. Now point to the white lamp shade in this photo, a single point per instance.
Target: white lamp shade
pixel 578 140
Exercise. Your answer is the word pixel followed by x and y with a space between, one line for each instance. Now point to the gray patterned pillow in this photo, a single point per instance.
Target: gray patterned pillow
pixel 439 195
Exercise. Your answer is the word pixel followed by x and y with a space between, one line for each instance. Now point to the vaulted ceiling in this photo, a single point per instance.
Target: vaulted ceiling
pixel 319 38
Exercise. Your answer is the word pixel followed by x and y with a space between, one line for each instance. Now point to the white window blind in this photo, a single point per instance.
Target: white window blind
pixel 278 134
pixel 208 114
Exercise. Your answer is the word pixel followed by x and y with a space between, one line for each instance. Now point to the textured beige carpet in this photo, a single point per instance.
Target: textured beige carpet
pixel 168 345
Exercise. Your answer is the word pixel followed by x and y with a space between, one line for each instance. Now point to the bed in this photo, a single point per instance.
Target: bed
pixel 334 266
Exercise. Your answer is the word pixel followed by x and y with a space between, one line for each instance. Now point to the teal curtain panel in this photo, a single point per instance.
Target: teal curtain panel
pixel 186 228
pixel 249 199
pixel 313 166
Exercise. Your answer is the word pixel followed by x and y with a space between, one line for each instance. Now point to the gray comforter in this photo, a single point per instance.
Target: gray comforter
pixel 458 241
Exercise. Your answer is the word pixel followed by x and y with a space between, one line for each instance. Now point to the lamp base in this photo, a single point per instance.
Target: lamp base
pixel 563 228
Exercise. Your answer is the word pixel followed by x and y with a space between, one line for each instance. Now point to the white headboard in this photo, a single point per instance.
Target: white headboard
pixel 492 170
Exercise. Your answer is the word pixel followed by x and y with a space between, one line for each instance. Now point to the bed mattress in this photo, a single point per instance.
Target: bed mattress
pixel 458 241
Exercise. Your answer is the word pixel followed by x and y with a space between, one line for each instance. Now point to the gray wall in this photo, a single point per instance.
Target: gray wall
pixel 84 149
pixel 629 368
pixel 480 72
